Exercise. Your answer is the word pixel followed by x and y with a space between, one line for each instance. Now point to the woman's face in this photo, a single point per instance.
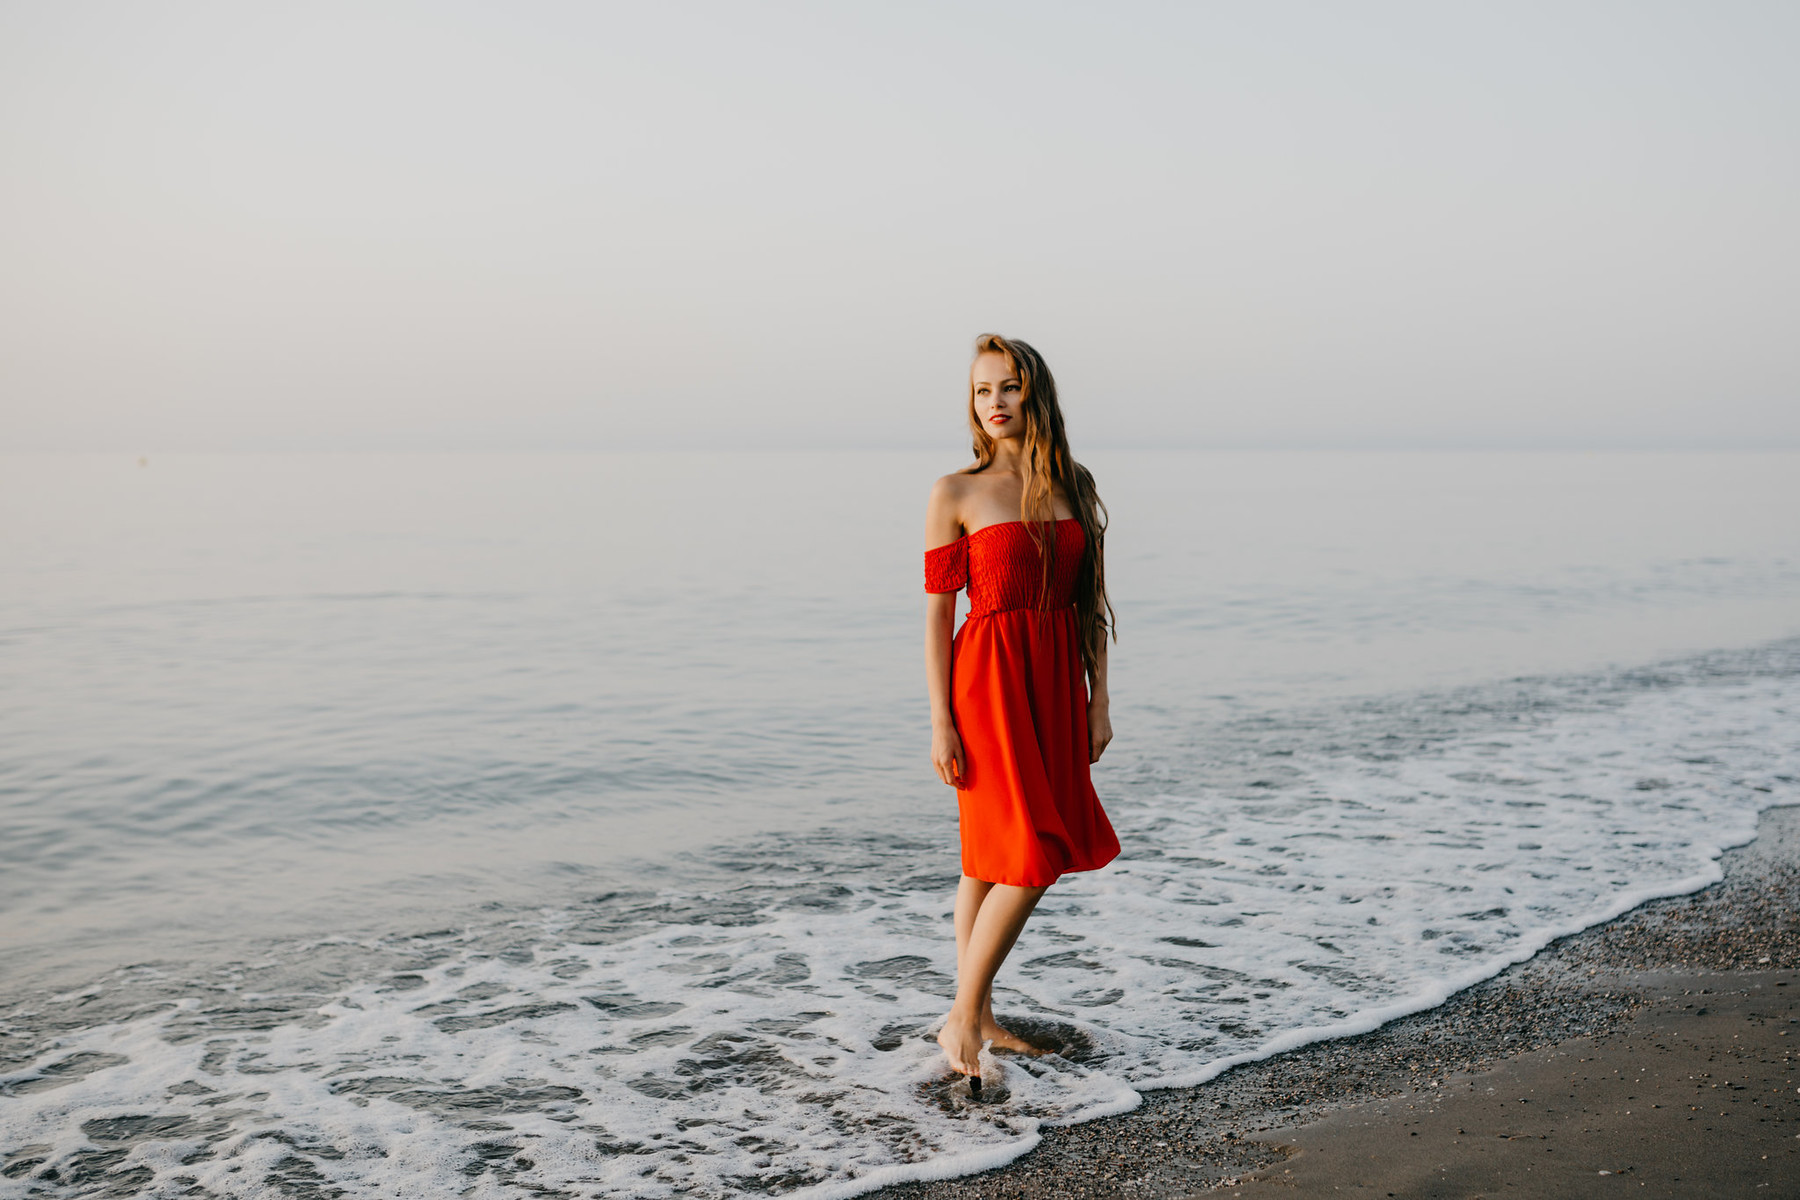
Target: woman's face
pixel 997 393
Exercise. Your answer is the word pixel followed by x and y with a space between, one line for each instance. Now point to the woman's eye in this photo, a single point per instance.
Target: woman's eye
pixel 1012 387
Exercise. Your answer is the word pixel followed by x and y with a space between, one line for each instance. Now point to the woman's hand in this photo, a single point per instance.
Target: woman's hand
pixel 947 754
pixel 1099 728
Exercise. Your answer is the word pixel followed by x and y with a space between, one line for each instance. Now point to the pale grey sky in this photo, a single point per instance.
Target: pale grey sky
pixel 542 225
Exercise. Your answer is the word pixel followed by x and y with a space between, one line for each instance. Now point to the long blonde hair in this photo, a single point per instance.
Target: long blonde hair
pixel 1048 464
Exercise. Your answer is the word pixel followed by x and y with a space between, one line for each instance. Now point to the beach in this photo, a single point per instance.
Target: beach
pixel 1653 1054
pixel 475 844
pixel 502 508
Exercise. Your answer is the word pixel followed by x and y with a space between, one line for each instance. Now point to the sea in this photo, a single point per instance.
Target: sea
pixel 563 825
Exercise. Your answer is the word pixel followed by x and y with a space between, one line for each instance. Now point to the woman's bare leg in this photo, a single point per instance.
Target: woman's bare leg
pixel 969 895
pixel 989 917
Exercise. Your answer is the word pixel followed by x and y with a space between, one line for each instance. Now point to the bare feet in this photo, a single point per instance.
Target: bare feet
pixel 1005 1039
pixel 961 1039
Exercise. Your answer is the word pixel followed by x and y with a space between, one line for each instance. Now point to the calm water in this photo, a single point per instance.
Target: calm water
pixel 563 824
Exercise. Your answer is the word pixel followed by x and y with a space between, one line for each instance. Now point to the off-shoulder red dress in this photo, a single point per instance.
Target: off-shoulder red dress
pixel 1018 690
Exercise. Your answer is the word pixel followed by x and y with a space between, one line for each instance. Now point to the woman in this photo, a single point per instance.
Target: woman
pixel 1018 698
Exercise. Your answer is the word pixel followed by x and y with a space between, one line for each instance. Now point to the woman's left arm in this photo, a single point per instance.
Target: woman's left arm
pixel 1099 716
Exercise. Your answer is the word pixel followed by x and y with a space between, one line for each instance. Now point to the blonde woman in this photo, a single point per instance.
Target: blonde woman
pixel 1018 695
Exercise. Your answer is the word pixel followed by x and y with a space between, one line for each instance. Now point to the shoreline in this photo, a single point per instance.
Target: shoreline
pixel 1275 1122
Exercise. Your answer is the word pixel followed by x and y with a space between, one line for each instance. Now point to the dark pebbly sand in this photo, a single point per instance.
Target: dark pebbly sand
pixel 1695 1097
pixel 1651 1056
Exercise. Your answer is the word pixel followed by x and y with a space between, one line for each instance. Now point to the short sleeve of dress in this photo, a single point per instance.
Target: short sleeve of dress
pixel 947 567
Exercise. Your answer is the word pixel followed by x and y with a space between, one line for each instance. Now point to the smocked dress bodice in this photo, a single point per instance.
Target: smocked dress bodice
pixel 1000 566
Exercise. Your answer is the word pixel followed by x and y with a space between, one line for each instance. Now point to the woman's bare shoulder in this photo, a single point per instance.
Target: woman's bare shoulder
pixel 953 486
pixel 944 509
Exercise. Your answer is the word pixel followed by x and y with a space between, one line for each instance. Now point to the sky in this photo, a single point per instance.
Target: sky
pixel 579 226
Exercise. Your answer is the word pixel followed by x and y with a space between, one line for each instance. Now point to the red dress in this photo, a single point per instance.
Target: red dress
pixel 1018 690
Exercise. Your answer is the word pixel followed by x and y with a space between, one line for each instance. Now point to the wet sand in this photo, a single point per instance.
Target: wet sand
pixel 1696 1096
pixel 1656 1048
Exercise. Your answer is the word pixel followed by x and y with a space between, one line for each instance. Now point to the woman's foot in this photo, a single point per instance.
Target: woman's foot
pixel 961 1039
pixel 1005 1039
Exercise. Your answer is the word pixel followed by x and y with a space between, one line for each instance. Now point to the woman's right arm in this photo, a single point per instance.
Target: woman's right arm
pixel 943 525
pixel 946 746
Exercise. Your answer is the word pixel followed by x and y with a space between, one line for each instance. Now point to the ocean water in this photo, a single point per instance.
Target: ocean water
pixel 562 825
